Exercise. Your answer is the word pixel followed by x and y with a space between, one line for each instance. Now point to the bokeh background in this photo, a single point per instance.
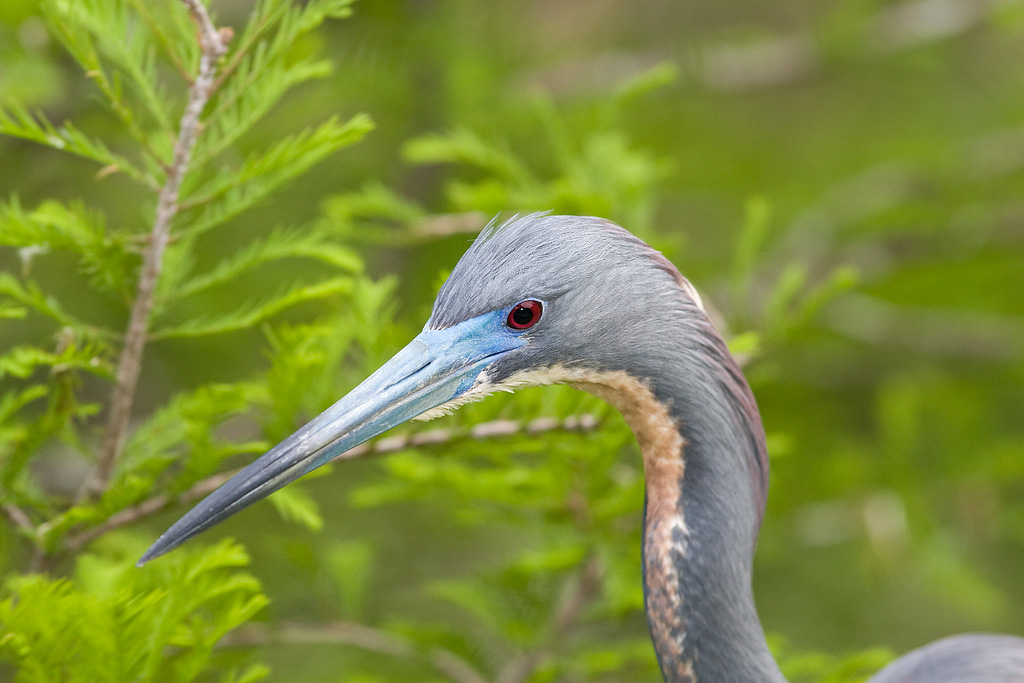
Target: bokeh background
pixel 843 180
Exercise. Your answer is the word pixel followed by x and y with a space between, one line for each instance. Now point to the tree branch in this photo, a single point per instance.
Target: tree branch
pixel 18 517
pixel 447 224
pixel 432 437
pixel 213 44
pixel 145 509
pixel 347 633
pixel 583 588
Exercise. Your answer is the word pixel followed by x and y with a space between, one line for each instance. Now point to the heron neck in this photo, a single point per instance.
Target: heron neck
pixel 701 521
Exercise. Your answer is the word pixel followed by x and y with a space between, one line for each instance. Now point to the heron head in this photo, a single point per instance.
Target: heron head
pixel 535 294
pixel 567 292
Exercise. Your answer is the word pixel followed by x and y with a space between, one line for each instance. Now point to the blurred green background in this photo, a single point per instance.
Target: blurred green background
pixel 779 147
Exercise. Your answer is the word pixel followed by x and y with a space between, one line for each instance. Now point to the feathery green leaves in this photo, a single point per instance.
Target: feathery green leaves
pixel 111 621
pixel 32 296
pixel 231 192
pixel 18 122
pixel 254 312
pixel 114 623
pixel 107 258
pixel 86 27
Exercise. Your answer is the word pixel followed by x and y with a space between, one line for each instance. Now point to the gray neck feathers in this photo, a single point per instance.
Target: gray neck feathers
pixel 722 502
pixel 614 305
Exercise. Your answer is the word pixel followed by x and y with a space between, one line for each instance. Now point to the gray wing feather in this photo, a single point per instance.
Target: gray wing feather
pixel 974 658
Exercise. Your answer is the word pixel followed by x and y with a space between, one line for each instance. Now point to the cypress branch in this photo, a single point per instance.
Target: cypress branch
pixel 214 45
pixel 429 438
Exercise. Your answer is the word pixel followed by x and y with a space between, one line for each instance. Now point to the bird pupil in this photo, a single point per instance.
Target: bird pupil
pixel 522 315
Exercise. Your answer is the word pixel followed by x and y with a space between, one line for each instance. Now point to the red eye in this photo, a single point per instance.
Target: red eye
pixel 525 314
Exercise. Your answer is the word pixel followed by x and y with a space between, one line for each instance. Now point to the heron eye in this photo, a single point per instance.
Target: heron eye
pixel 525 314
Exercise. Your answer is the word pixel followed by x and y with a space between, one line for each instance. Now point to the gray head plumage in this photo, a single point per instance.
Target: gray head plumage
pixel 600 286
pixel 611 302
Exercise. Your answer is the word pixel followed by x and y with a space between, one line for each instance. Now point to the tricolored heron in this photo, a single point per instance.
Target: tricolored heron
pixel 562 299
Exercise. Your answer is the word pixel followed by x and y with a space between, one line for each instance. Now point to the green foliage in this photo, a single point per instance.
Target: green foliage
pixel 104 258
pixel 847 204
pixel 351 566
pixel 263 69
pixel 15 120
pixel 594 171
pixel 823 668
pixel 111 622
pixel 228 194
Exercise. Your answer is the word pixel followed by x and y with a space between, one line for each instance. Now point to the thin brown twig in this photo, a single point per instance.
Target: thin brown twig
pixel 359 635
pixel 213 44
pixel 447 224
pixel 241 51
pixel 18 517
pixel 145 509
pixel 432 437
pixel 454 666
pixel 334 633
pixel 584 586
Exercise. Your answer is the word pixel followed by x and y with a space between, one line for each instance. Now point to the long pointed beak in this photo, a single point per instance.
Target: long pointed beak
pixel 435 368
